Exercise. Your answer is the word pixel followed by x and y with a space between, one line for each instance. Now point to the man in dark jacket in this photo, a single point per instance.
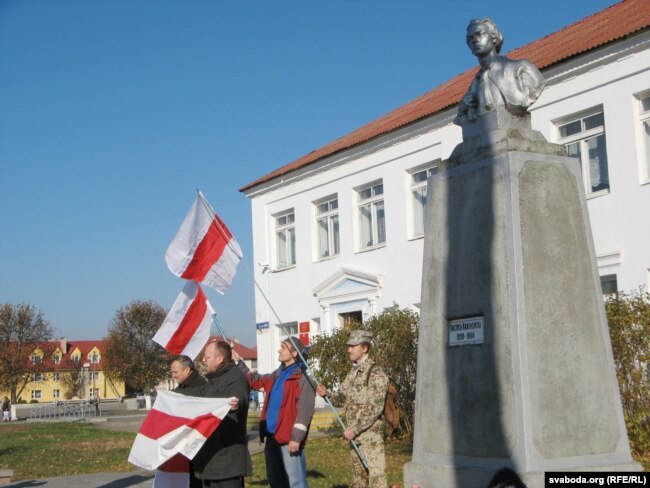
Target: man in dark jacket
pixel 185 374
pixel 224 460
pixel 287 413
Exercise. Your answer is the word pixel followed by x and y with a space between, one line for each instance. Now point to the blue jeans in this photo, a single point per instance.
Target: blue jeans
pixel 284 470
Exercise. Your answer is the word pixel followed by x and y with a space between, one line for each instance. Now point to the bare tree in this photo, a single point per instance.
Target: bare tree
pixel 131 355
pixel 72 378
pixel 22 329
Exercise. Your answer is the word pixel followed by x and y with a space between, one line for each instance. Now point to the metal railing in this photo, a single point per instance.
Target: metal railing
pixel 67 411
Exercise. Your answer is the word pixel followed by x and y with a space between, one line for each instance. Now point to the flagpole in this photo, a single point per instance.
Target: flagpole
pixel 307 370
pixel 216 322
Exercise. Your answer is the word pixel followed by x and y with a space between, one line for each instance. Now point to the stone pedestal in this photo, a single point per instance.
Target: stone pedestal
pixel 515 364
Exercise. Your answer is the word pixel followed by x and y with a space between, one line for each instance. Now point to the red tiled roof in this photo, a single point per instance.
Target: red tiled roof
pixel 613 23
pixel 243 351
pixel 50 346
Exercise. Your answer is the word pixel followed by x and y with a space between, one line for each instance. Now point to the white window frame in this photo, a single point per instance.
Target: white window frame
pixel 581 141
pixel 56 393
pixel 56 376
pixel 375 202
pixel 37 394
pixel 94 359
pixel 285 228
pixel 609 278
pixel 36 359
pixel 57 358
pixel 37 377
pixel 291 327
pixel 326 211
pixel 417 195
pixel 644 130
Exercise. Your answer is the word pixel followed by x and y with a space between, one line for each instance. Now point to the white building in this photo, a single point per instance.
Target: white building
pixel 338 233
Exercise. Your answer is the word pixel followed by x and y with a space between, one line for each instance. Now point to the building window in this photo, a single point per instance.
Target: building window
pixel 94 359
pixel 36 394
pixel 609 284
pixel 36 359
pixel 285 239
pixel 94 375
pixel 644 109
pixel 56 376
pixel 37 376
pixel 418 190
pixel 57 359
pixel 94 392
pixel 56 393
pixel 372 222
pixel 584 139
pixel 327 228
pixel 289 328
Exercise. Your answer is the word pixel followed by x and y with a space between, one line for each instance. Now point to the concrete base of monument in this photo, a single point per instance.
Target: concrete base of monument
pixel 514 358
pixel 446 475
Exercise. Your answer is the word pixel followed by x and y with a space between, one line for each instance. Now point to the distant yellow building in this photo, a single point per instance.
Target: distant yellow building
pixel 70 370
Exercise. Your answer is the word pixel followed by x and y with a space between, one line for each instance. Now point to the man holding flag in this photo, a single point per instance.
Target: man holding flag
pixel 224 460
pixel 185 374
pixel 286 415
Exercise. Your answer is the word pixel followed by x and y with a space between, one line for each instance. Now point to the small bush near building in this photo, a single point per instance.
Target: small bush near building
pixel 629 327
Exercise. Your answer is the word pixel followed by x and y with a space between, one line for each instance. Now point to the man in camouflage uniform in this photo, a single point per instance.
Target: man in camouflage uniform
pixel 365 389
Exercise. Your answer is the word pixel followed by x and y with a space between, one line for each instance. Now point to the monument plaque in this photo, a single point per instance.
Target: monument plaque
pixel 466 331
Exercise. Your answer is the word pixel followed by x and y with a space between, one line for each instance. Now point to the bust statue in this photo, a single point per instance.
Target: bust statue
pixel 500 81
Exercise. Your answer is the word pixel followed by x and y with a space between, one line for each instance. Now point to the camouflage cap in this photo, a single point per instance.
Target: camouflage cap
pixel 359 336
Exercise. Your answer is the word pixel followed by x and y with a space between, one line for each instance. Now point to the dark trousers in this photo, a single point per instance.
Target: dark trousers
pixel 229 483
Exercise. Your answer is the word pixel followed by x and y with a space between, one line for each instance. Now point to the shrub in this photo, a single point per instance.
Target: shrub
pixel 629 327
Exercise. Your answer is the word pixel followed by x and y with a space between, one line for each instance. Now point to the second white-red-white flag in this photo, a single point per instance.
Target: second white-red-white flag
pixel 204 250
pixel 186 329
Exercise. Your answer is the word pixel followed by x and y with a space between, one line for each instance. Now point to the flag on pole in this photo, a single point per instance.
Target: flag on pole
pixel 204 250
pixel 186 328
pixel 177 424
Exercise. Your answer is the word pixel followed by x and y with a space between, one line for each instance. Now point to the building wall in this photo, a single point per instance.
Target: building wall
pixel 374 279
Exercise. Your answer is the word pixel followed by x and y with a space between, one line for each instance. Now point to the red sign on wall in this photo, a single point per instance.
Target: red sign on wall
pixel 304 327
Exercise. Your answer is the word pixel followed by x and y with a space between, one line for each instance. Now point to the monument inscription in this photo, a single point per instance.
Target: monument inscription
pixel 466 331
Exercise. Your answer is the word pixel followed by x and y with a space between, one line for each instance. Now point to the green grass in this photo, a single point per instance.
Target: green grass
pixel 328 464
pixel 44 450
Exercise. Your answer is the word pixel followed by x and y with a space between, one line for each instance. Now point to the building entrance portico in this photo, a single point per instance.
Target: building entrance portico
pixel 346 296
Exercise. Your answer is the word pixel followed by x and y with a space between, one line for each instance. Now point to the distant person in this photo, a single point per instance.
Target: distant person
pixel 185 374
pixel 6 410
pixel 224 460
pixel 255 400
pixel 365 389
pixel 500 81
pixel 286 416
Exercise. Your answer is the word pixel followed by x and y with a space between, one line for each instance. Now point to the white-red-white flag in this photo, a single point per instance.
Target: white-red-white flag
pixel 177 424
pixel 186 328
pixel 204 250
